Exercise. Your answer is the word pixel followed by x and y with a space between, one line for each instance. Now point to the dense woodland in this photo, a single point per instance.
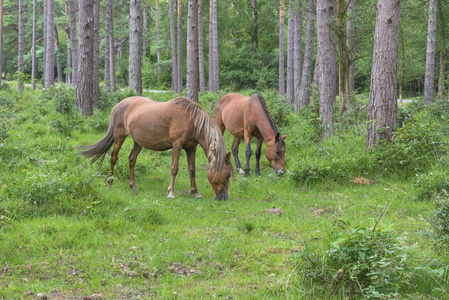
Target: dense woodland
pixel 248 41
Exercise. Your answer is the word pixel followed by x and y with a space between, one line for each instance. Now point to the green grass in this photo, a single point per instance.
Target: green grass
pixel 63 232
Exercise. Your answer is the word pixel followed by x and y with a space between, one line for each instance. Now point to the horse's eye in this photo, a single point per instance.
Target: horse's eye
pixel 228 176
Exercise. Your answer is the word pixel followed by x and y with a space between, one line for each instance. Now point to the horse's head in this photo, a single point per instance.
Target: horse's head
pixel 275 153
pixel 219 180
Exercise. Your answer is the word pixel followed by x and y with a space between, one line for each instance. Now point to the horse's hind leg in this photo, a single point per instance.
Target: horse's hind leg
pixel 258 153
pixel 235 152
pixel 132 162
pixel 174 170
pixel 248 153
pixel 118 142
pixel 191 166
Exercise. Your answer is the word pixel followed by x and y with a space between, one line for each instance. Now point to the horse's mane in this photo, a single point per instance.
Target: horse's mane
pixel 267 112
pixel 205 126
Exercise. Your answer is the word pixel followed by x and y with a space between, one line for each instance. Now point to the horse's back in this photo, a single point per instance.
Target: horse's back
pixel 232 110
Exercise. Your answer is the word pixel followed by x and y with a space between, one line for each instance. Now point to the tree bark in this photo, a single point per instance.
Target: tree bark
pixel 85 86
pixel 215 45
pixel 192 51
pixel 255 25
pixel 382 106
pixel 345 58
pixel 179 81
pixel 200 47
pixel 281 49
pixel 158 34
pixel 430 55
pixel 144 29
pixel 1 40
pixel 174 76
pixel 333 50
pixel 135 71
pixel 351 41
pixel 297 57
pixel 50 41
pixel 110 24
pixel 290 95
pixel 324 55
pixel 302 97
pixel 58 59
pixel 107 51
pixel 20 58
pixel 68 76
pixel 33 49
pixel 96 65
pixel 442 55
pixel 211 50
pixel 44 58
pixel 74 41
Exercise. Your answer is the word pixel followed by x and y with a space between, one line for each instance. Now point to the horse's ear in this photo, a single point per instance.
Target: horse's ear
pixel 277 137
pixel 284 136
pixel 228 157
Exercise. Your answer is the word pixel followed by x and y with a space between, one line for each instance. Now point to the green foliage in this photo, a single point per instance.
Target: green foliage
pixel 431 185
pixel 372 261
pixel 439 222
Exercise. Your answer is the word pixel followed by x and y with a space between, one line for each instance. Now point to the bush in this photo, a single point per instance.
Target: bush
pixel 431 185
pixel 439 222
pixel 372 261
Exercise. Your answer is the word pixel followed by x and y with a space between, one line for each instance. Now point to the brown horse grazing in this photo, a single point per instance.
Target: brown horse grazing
pixel 177 124
pixel 247 117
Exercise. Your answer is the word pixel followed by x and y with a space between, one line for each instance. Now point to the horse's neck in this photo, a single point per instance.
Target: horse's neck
pixel 207 149
pixel 264 126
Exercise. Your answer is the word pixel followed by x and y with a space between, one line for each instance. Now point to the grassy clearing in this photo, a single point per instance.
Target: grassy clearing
pixel 63 232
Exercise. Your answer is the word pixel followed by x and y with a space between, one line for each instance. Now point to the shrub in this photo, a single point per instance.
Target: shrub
pixel 372 261
pixel 431 185
pixel 439 222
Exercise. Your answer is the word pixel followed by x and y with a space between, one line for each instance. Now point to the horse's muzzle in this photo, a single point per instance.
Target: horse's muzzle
pixel 221 196
pixel 279 172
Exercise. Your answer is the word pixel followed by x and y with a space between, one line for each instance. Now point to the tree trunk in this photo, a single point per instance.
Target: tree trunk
pixel 73 36
pixel 144 30
pixel 33 49
pixel 281 49
pixel 96 65
pixel 255 25
pixel 110 24
pixel 211 50
pixel 401 81
pixel 351 32
pixel 442 55
pixel 215 45
pixel 382 107
pixel 1 40
pixel 85 86
pixel 58 56
pixel 297 57
pixel 430 56
pixel 135 71
pixel 44 58
pixel 333 50
pixel 345 59
pixel 68 76
pixel 302 97
pixel 192 51
pixel 324 55
pixel 200 47
pixel 50 54
pixel 107 52
pixel 290 57
pixel 174 72
pixel 20 59
pixel 158 34
pixel 179 81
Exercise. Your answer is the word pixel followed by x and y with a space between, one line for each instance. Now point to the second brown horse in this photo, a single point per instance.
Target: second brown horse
pixel 246 117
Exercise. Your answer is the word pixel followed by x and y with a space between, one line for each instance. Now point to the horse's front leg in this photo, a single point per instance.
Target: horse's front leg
pixel 235 152
pixel 248 154
pixel 132 162
pixel 191 166
pixel 176 152
pixel 258 153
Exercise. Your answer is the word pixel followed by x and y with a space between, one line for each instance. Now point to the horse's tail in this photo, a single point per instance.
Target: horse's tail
pixel 99 149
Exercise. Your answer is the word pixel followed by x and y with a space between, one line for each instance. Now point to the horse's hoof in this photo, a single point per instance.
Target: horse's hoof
pixel 258 173
pixel 171 196
pixel 197 195
pixel 241 172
